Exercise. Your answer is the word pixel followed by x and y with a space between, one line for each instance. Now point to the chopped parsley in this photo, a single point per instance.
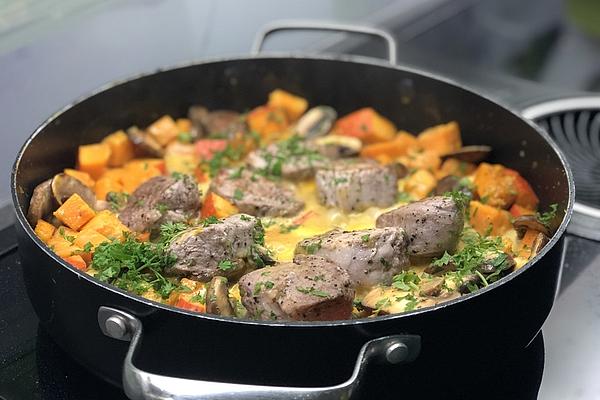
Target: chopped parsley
pixel 184 137
pixel 547 217
pixel 460 198
pixel 407 281
pixel 287 228
pixel 210 220
pixel 313 247
pixel 63 234
pixel 403 197
pixel 338 181
pixel 169 230
pixel 162 208
pixel 236 174
pixel 223 158
pixel 134 265
pixel 238 194
pixel 365 238
pixel 117 200
pixel 312 291
pixel 226 265
pixel 286 151
pixel 178 176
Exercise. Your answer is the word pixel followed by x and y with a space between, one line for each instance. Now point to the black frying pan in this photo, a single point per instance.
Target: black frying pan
pixel 436 344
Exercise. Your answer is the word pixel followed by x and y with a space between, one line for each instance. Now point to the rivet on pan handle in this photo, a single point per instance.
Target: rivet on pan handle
pixel 287 25
pixel 139 384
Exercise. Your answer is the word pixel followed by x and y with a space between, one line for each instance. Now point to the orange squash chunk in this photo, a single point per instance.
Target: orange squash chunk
pixel 93 159
pixel 441 139
pixel 367 125
pixel 294 106
pixel 107 224
pixel 121 148
pixel 89 236
pixel 487 219
pixel 74 212
pixel 77 261
pixel 44 230
pixel 494 186
pixel 164 130
pixel 81 176
pixel 217 206
pixel 267 121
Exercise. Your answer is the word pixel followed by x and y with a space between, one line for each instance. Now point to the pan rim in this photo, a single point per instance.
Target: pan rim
pixel 21 219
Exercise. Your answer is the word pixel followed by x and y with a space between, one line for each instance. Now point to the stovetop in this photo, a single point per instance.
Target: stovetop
pixel 33 367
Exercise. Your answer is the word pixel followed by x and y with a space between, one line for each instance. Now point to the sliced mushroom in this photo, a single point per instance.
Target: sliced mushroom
pixel 432 301
pixel 337 146
pixel 525 222
pixel 492 264
pixel 401 170
pixel 217 297
pixel 316 122
pixel 472 154
pixel 440 270
pixel 64 186
pixel 467 283
pixel 451 183
pixel 145 143
pixel 432 287
pixel 42 202
pixel 538 243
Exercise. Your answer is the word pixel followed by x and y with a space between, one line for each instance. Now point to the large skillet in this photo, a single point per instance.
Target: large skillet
pixel 86 316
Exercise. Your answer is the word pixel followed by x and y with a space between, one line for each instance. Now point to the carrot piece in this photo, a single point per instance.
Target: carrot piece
pixel 398 146
pixel 488 219
pixel 107 224
pixel 121 148
pixel 164 130
pixel 494 186
pixel 206 148
pixel 419 184
pixel 77 261
pixel 526 196
pixel 294 106
pixel 93 159
pixel 367 125
pixel 441 139
pixel 74 212
pixel 81 176
pixel 267 121
pixel 517 210
pixel 185 303
pixel 44 230
pixel 216 206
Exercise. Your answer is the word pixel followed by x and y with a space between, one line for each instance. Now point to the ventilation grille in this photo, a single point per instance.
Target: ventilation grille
pixel 574 125
pixel 577 133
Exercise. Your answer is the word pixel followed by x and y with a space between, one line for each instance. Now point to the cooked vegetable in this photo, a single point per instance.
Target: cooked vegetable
pixel 304 217
pixel 74 212
pixel 294 106
pixel 367 125
pixel 93 159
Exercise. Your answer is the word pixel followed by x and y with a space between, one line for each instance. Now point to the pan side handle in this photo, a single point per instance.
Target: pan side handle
pixel 287 25
pixel 139 384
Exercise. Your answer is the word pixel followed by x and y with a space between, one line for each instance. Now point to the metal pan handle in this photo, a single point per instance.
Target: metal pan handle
pixel 286 25
pixel 139 384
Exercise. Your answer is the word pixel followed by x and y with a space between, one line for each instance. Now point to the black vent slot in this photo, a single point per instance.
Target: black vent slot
pixel 577 133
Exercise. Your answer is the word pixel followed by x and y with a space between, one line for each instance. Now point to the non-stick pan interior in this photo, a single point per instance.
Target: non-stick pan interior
pixel 412 101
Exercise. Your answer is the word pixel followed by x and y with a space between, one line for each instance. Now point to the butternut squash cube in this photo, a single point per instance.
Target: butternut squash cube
pixel 107 224
pixel 121 148
pixel 89 236
pixel 44 230
pixel 81 176
pixel 441 139
pixel 488 219
pixel 164 130
pixel 294 106
pixel 93 159
pixel 74 212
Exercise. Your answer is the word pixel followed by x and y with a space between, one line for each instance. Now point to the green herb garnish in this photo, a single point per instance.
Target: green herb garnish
pixel 312 291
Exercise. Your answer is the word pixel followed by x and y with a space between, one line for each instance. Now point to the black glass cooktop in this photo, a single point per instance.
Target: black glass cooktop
pixel 32 366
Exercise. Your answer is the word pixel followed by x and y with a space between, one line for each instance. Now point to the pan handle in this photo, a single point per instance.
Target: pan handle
pixel 286 25
pixel 139 384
